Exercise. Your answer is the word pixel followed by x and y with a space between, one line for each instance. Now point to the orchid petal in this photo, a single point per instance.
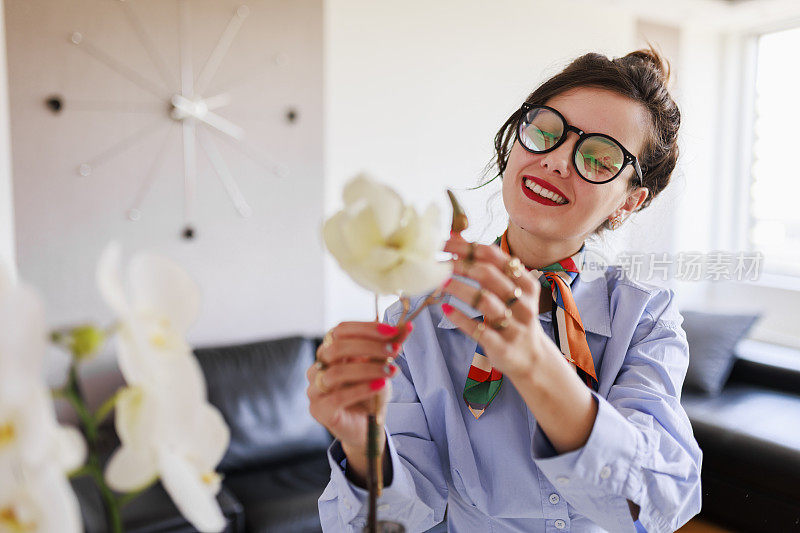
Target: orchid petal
pixel 24 338
pixel 417 276
pixel 361 234
pixel 210 438
pixel 194 499
pixel 71 448
pixel 387 204
pixel 130 469
pixel 137 417
pixel 109 281
pixel 158 284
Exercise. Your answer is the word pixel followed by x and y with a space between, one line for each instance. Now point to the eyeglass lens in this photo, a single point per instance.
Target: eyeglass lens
pixel 596 158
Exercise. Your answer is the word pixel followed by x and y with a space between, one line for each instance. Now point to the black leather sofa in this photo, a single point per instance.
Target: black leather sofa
pixel 275 468
pixel 750 437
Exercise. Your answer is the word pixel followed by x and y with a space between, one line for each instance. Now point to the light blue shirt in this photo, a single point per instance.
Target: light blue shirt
pixel 500 473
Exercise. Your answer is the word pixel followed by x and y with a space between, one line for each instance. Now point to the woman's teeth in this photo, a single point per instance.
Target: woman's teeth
pixel 538 189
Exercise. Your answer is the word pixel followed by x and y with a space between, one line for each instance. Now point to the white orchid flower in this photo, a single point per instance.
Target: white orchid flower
pixel 38 500
pixel 23 339
pixel 164 302
pixel 30 434
pixel 180 442
pixel 35 451
pixel 167 428
pixel 384 245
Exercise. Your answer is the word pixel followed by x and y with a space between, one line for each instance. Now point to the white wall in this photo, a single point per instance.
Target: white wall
pixel 416 90
pixel 7 241
pixel 64 220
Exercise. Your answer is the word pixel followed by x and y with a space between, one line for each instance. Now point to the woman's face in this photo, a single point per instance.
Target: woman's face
pixel 589 205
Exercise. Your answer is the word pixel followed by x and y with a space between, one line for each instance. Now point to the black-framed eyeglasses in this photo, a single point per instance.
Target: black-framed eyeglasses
pixel 598 158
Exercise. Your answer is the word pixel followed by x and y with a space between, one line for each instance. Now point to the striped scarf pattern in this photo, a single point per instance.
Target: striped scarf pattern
pixel 484 381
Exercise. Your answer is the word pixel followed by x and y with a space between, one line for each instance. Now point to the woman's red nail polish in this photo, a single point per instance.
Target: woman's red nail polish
pixel 386 329
pixel 447 308
pixel 393 370
pixel 378 384
pixel 410 327
pixel 395 346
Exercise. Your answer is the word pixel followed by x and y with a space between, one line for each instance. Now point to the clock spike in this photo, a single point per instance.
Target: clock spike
pixel 220 50
pixel 187 76
pixel 224 175
pixel 189 168
pixel 122 145
pixel 152 51
pixel 124 71
pixel 151 172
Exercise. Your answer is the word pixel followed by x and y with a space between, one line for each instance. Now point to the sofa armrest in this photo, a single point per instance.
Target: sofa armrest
pixel 767 365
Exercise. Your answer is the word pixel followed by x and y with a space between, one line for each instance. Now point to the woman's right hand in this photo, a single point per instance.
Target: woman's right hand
pixel 354 365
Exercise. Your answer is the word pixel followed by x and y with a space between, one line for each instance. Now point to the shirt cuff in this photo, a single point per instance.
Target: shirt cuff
pixel 605 468
pixel 353 499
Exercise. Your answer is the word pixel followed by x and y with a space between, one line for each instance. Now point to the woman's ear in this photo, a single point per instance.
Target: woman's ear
pixel 635 199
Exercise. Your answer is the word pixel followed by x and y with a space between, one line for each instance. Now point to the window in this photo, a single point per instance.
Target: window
pixel 775 171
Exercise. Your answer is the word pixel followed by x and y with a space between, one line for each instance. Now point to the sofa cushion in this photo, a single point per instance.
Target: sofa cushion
pixel 767 365
pixel 283 497
pixel 260 389
pixel 712 338
pixel 751 434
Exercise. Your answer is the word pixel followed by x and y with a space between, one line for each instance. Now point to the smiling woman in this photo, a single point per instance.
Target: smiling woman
pixel 588 432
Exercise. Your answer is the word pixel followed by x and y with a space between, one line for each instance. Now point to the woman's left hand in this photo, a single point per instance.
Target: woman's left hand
pixel 515 348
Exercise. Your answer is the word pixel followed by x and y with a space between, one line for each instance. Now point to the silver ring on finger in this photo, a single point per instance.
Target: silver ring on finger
pixel 476 300
pixel 328 338
pixel 320 383
pixel 514 268
pixel 470 258
pixel 514 297
pixel 500 325
pixel 479 328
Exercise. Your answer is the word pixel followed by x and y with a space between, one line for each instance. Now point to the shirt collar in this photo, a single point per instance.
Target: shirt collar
pixel 591 298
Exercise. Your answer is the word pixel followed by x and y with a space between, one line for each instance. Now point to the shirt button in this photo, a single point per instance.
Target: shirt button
pixel 562 480
pixel 605 472
pixel 383 508
pixel 560 524
pixel 554 498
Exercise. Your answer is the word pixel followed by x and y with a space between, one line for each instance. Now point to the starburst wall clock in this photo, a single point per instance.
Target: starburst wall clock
pixel 188 107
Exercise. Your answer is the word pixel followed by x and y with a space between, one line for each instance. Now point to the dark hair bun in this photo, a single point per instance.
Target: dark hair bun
pixel 653 60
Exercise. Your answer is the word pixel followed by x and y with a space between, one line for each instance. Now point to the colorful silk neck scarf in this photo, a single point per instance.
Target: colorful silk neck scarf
pixel 483 380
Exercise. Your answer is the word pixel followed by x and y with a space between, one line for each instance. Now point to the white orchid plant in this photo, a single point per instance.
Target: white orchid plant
pixel 36 453
pixel 387 247
pixel 166 426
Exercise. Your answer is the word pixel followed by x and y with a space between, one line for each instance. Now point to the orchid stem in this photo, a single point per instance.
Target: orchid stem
pixel 375 460
pixel 104 410
pixel 79 472
pixel 373 465
pixel 74 395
